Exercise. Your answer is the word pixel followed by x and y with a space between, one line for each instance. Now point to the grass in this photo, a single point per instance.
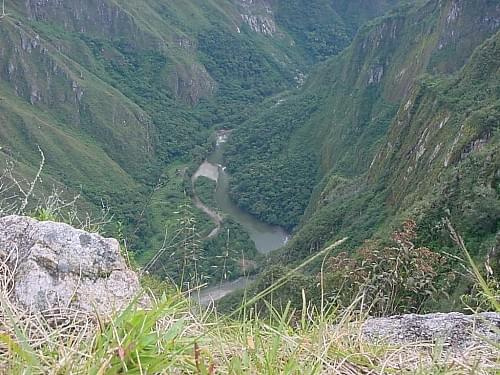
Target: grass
pixel 171 339
pixel 176 336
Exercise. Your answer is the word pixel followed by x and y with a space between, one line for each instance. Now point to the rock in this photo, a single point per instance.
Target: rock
pixel 191 83
pixel 54 265
pixel 258 15
pixel 453 330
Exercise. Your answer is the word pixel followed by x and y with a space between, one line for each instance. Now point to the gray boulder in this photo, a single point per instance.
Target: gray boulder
pixel 53 265
pixel 453 330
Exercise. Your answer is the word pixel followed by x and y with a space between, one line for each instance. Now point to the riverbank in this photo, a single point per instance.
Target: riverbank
pixel 211 172
pixel 266 238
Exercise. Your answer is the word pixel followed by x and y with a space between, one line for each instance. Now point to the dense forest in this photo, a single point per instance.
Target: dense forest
pixel 350 119
pixel 122 98
pixel 402 125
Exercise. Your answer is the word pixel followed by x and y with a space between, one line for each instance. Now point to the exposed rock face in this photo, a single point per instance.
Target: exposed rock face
pixel 192 83
pixel 453 330
pixel 101 17
pixel 54 265
pixel 258 15
pixel 260 24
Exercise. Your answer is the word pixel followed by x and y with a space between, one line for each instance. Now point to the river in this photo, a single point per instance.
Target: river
pixel 266 237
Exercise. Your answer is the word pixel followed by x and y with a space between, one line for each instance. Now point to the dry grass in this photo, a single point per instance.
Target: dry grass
pixel 175 336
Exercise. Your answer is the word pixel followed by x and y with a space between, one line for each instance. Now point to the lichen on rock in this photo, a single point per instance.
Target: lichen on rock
pixel 453 330
pixel 53 265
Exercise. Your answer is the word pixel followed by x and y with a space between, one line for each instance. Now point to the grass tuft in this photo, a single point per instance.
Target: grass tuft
pixel 176 336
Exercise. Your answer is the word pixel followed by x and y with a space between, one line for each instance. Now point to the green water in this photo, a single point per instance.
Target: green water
pixel 266 237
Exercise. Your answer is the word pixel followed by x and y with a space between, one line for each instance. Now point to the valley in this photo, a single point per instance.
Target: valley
pixel 375 114
pixel 250 187
pixel 266 238
pixel 121 96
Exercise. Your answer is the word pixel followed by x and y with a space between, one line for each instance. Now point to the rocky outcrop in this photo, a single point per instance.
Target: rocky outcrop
pixel 49 265
pixel 453 330
pixel 258 15
pixel 260 24
pixel 93 17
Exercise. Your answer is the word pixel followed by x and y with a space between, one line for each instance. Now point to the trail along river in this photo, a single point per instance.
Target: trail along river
pixel 266 237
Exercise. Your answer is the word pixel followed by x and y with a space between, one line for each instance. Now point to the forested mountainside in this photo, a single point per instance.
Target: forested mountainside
pixel 350 117
pixel 121 96
pixel 403 125
pixel 331 130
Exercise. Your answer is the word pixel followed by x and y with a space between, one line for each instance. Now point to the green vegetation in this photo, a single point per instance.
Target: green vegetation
pixel 261 164
pixel 231 254
pixel 399 126
pixel 245 74
pixel 205 189
pixel 120 95
pixel 169 339
pixel 327 27
pixel 176 336
pixel 394 276
pixel 180 250
pixel 389 130
pixel 320 31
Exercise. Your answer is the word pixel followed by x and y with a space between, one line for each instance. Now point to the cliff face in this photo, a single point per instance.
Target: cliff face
pixel 112 21
pixel 106 89
pixel 113 92
pixel 95 17
pixel 383 65
pixel 447 131
pixel 49 98
pixel 413 99
pixel 258 15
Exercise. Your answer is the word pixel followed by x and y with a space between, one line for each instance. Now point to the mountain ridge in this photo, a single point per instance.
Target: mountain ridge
pixel 338 127
pixel 401 125
pixel 123 96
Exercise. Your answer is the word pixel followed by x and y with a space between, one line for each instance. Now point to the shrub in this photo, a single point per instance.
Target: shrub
pixel 392 279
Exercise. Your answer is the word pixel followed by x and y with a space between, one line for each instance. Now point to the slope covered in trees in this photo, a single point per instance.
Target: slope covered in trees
pixel 122 96
pixel 339 130
pixel 402 125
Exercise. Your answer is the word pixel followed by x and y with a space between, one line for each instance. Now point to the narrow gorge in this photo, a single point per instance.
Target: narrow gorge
pixel 249 187
pixel 266 237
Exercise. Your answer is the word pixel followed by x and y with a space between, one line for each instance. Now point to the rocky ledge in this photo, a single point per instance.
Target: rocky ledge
pixel 46 266
pixel 454 331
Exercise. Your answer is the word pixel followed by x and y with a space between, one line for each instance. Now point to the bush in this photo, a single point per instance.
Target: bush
pixel 398 278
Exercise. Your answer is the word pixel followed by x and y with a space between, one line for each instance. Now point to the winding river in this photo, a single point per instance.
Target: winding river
pixel 266 237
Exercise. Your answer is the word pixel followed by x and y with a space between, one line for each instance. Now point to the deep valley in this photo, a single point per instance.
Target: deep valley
pixel 347 119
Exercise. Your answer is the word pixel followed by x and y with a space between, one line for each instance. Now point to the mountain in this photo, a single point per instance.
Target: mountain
pixel 401 125
pixel 349 118
pixel 121 97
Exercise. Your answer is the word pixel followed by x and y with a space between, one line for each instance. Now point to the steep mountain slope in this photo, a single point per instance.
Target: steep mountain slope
pixel 122 96
pixel 323 28
pixel 447 132
pixel 369 119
